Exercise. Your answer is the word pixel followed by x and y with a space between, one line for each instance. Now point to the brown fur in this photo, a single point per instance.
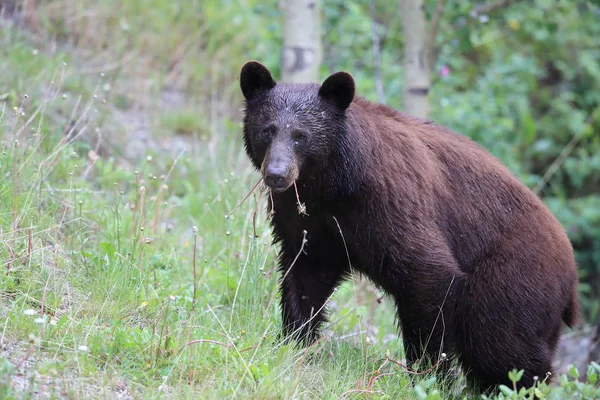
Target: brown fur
pixel 476 263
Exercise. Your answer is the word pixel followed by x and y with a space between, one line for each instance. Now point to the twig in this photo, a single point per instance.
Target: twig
pixel 557 163
pixel 29 243
pixel 410 371
pixel 376 377
pixel 369 388
pixel 272 203
pixel 227 346
pixel 245 198
pixel 301 206
pixel 564 154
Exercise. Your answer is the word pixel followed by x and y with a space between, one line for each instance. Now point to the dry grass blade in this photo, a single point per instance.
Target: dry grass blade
pixel 245 198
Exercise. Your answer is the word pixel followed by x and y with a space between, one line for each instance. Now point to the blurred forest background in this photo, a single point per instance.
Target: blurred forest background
pixel 522 78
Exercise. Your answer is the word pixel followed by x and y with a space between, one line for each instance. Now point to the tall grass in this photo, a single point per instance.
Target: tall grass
pixel 126 277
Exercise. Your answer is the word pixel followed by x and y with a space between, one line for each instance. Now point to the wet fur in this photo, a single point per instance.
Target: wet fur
pixel 476 263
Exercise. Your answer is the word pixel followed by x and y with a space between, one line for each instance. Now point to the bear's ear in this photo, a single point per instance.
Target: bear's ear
pixel 338 88
pixel 254 79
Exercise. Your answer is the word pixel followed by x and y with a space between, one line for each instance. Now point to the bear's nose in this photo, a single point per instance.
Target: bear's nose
pixel 275 176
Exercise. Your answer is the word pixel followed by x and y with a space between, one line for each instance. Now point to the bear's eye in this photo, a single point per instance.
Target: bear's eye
pixel 268 132
pixel 299 136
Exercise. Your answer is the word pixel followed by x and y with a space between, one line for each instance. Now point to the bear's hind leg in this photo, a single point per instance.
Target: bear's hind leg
pixel 494 339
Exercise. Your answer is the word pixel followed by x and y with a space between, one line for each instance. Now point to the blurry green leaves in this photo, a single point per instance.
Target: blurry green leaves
pixel 527 124
pixel 590 64
pixel 425 390
pixel 525 83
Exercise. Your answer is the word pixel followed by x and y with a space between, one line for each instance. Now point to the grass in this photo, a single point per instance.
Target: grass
pixel 129 279
pixel 123 278
pixel 186 122
pixel 111 274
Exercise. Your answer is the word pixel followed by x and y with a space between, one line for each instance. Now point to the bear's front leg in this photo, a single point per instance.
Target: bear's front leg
pixel 306 285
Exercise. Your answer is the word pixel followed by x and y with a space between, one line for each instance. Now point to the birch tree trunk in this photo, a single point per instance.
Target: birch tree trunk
pixel 302 49
pixel 416 68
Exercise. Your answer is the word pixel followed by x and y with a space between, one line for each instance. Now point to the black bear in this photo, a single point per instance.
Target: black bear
pixel 478 267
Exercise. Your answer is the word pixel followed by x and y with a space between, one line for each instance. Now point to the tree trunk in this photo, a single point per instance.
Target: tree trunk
pixel 416 68
pixel 302 48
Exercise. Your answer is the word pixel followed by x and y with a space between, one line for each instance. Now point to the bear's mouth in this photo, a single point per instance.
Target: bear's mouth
pixel 279 172
pixel 278 187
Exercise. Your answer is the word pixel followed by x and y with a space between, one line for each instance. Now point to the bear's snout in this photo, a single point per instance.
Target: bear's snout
pixel 275 176
pixel 279 167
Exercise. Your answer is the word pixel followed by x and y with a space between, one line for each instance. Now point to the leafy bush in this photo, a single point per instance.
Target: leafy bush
pixel 524 81
pixel 568 387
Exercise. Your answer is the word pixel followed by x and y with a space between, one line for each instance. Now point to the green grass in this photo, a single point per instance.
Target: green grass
pixel 185 122
pixel 118 276
pixel 101 279
pixel 124 276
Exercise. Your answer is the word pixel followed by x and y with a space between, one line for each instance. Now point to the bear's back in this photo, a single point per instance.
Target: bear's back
pixel 456 185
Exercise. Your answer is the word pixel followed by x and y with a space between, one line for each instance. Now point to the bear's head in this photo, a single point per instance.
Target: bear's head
pixel 291 129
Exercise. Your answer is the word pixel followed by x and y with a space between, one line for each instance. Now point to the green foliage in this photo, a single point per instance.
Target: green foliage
pixel 525 85
pixel 426 390
pixel 172 43
pixel 523 81
pixel 570 387
pixel 185 122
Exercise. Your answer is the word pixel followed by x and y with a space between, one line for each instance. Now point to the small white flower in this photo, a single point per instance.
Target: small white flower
pixel 30 311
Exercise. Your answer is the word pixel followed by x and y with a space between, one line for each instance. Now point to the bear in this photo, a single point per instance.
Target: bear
pixel 479 269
